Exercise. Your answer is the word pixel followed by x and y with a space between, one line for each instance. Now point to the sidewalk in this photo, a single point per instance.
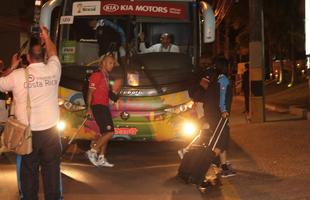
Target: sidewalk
pixel 271 158
pixel 293 111
pixel 293 100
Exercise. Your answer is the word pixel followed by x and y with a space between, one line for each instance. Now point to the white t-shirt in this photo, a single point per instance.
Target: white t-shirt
pixel 158 48
pixel 43 89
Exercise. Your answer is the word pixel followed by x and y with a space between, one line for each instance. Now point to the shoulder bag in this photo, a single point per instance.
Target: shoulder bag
pixel 17 137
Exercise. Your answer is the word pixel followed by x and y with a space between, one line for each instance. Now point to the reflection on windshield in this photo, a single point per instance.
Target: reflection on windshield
pixel 165 45
pixel 94 37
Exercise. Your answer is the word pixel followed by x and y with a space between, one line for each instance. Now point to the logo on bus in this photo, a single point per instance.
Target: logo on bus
pixel 110 7
pixel 126 131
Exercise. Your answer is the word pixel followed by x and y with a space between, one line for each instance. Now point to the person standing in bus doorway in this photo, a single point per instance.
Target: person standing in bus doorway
pixel 43 91
pixel 164 45
pixel 98 96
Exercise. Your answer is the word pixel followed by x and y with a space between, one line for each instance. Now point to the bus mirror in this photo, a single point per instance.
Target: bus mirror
pixel 46 12
pixel 208 22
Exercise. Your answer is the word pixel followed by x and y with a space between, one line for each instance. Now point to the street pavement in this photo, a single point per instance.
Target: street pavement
pixel 271 160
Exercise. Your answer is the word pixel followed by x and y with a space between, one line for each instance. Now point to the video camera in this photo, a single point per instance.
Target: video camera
pixel 34 40
pixel 23 57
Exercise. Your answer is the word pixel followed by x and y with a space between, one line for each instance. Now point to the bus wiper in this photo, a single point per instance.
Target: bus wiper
pixel 152 80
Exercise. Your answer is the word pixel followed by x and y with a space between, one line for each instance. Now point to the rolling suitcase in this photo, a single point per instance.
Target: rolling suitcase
pixel 198 159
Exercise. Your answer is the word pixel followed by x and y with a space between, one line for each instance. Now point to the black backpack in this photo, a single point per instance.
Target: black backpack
pixel 197 93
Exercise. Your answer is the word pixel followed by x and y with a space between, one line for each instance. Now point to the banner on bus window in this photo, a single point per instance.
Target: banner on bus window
pixel 143 8
pixel 83 8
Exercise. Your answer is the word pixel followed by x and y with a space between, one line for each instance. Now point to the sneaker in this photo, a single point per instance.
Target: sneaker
pixel 206 184
pixel 229 165
pixel 181 153
pixel 92 157
pixel 228 173
pixel 103 162
pixel 216 169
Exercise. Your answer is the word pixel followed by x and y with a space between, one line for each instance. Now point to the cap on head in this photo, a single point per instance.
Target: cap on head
pixel 221 65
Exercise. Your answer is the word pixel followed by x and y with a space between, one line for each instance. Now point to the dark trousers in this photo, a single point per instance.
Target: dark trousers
pixel 45 156
pixel 223 141
pixel 246 101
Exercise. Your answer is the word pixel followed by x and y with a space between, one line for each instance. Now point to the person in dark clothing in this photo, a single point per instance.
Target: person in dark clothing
pixel 246 87
pixel 217 105
pixel 197 92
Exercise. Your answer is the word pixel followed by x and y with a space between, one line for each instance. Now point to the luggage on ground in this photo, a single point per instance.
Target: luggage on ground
pixel 200 155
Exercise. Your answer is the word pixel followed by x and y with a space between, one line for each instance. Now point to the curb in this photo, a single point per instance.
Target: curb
pixel 293 110
pixel 296 110
pixel 276 108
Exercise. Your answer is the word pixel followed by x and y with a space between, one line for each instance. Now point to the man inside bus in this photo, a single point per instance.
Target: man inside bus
pixel 164 45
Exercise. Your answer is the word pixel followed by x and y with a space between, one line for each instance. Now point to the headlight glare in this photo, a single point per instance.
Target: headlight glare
pixel 61 125
pixel 189 129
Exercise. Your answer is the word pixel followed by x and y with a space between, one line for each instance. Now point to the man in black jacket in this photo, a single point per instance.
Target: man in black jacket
pixel 217 104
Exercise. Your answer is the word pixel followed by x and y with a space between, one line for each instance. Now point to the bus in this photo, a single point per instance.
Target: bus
pixel 154 103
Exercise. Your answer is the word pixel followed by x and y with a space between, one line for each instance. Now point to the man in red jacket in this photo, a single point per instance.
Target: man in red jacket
pixel 98 96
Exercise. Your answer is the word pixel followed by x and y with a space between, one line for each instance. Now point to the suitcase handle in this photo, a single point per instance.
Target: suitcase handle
pixel 74 136
pixel 78 130
pixel 216 131
pixel 217 126
pixel 220 133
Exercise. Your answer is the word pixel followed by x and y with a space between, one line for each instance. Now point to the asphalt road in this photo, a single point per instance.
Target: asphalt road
pixel 271 159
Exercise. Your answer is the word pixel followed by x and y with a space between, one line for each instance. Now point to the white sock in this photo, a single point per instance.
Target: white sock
pixel 93 150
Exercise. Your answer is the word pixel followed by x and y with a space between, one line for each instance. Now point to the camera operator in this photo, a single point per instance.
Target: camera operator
pixel 44 113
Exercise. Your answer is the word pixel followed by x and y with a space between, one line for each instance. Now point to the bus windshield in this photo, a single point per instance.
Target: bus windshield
pixel 124 35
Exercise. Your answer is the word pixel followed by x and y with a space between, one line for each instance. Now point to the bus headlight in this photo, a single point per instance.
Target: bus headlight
pixel 61 125
pixel 189 129
pixel 61 101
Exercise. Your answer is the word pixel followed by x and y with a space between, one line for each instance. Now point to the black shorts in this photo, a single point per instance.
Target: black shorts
pixel 223 141
pixel 103 117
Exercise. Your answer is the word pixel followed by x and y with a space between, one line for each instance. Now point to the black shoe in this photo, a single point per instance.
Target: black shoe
pixel 228 173
pixel 206 184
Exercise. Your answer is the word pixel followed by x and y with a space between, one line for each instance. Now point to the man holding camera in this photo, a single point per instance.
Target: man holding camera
pixel 44 113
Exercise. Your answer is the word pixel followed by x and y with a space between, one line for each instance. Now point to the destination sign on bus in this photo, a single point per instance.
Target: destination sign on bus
pixel 138 8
